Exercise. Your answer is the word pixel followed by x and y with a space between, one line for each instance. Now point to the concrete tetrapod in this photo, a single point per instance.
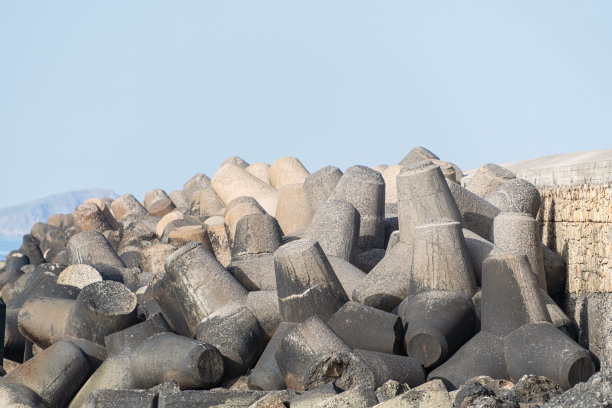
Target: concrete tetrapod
pixel 388 283
pixel 477 213
pixel 305 282
pixel 266 374
pixel 292 210
pixel 200 282
pixel 92 248
pixel 260 170
pixel 440 260
pixel 232 181
pixel 437 323
pixel 422 194
pixel 100 308
pixel 237 209
pixel 126 205
pixel 487 178
pixel 543 350
pixel 287 170
pixel 236 333
pixel 516 195
pixel 55 374
pixel 520 233
pixel 256 239
pixel 335 226
pixel 364 188
pixel 364 327
pixel 196 183
pixel 157 203
pixel 89 217
pixel 320 184
pixel 163 357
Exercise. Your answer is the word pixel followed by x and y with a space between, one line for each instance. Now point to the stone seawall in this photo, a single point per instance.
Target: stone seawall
pixel 577 224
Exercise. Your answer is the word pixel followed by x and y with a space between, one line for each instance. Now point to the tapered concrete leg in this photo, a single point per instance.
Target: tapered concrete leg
pixel 312 354
pixel 237 209
pixel 422 194
pixel 305 282
pixel 126 205
pixel 196 183
pixel 164 357
pixel 335 226
pixel 266 374
pixel 487 178
pixel 293 211
pixel 520 233
pixel 264 305
pixel 483 354
pixel 236 333
pixel 89 217
pixel 55 374
pixel 541 349
pixel 93 249
pixel 516 195
pixel 437 324
pixel 200 282
pixel 364 188
pixel 158 203
pixel 440 260
pixel 477 213
pixel 320 184
pixel 385 366
pixel 364 327
pixel 510 295
pixel 287 170
pixel 388 283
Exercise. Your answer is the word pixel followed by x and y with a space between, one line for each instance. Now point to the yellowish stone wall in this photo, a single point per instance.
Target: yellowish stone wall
pixel 577 224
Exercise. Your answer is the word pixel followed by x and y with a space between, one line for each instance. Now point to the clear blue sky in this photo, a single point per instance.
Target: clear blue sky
pixel 135 95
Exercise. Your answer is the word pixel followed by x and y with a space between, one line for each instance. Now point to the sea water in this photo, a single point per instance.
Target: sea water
pixel 7 244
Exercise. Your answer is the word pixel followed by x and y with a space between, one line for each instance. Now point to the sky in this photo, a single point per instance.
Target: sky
pixel 138 95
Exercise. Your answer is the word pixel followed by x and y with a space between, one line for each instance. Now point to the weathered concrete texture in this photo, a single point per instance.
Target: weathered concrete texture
pixel 508 226
pixel 238 208
pixel 437 324
pixel 196 183
pixel 389 282
pixel 335 226
pixel 422 195
pixel 125 205
pixel 260 170
pixel 320 184
pixel 293 211
pixel 208 203
pixel 166 220
pixel 236 333
pixel 266 374
pixel 287 170
pixel 390 176
pixel 231 181
pixel 305 282
pixel 478 249
pixel 516 195
pixel 88 217
pixel 79 275
pixel 180 200
pixel 487 178
pixel 510 295
pixel 440 260
pixel 417 154
pixel 219 240
pixel 201 283
pixel 477 213
pixel 158 203
pixel 152 259
pixel 364 188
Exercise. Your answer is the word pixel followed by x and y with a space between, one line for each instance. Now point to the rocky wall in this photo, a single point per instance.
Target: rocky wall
pixel 577 224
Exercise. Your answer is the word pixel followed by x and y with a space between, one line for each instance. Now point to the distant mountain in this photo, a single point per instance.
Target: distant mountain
pixel 18 220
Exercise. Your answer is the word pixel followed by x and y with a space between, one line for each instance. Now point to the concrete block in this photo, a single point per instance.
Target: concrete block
pixel 423 195
pixel 305 282
pixel 79 275
pixel 367 328
pixel 487 178
pixel 335 226
pixel 88 217
pixel 157 203
pixel 135 335
pixel 217 234
pixel 231 181
pixel 209 203
pixel 266 374
pixel 180 201
pixel 520 233
pixel 152 259
pixel 287 170
pixel 121 398
pixel 440 260
pixel 432 394
pixel 418 154
pixel 476 212
pixel 364 188
pixel 196 183
pixel 516 195
pixel 125 205
pixel 320 184
pixel 260 170
pixel 238 161
pixel 293 211
pixel 437 323
pixel 238 208
pixel 167 219
pixel 264 305
pixel 201 283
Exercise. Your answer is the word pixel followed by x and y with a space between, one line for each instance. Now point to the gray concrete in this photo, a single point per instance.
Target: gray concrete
pixel 440 260
pixel 516 195
pixel 364 188
pixel 520 233
pixel 320 184
pixel 476 212
pixel 305 282
pixel 487 178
